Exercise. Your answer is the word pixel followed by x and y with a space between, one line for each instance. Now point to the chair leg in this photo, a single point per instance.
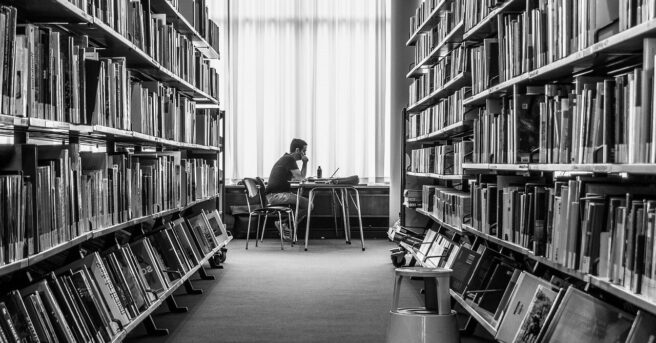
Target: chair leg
pixel 266 216
pixel 282 246
pixel 257 232
pixel 248 231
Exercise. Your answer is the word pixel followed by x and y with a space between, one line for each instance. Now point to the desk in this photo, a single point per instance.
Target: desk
pixel 343 196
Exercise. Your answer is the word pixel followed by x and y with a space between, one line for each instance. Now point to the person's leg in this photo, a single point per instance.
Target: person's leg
pixel 277 199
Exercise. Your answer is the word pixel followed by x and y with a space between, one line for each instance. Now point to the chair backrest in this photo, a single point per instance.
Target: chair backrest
pixel 255 190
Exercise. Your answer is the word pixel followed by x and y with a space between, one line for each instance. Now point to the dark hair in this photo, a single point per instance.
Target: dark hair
pixel 297 143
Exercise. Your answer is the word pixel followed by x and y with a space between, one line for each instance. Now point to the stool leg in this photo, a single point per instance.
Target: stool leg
pixel 443 296
pixel 248 231
pixel 397 291
pixel 357 197
pixel 430 293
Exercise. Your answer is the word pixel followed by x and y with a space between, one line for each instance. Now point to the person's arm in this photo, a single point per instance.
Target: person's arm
pixel 299 175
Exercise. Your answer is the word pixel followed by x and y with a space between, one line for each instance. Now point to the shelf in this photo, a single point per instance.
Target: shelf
pixel 451 86
pixel 439 51
pixel 638 168
pixel 620 292
pixel 102 34
pixel 96 131
pixel 447 132
pixel 496 240
pixel 623 42
pixel 478 32
pixel 428 24
pixel 174 287
pixel 437 220
pixel 439 176
pixel 184 26
pixel 44 255
pixel 482 317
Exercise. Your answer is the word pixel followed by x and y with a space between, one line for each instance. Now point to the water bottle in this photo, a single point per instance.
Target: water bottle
pixel 319 172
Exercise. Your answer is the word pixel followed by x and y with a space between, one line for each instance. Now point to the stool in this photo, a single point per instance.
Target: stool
pixel 435 322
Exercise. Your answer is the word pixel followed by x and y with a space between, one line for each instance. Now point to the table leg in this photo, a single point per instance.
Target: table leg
pixel 357 198
pixel 307 219
pixel 343 202
pixel 333 195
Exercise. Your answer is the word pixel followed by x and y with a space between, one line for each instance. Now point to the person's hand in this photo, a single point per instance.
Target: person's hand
pixel 304 158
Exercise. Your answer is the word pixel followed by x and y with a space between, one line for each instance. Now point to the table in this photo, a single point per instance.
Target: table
pixel 344 193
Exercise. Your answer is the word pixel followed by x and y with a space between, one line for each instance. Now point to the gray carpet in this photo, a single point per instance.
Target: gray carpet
pixel 332 293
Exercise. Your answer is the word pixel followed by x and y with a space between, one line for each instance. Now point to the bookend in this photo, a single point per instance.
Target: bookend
pixel 189 287
pixel 152 328
pixel 173 305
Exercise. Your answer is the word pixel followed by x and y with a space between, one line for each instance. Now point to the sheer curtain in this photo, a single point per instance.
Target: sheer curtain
pixel 310 69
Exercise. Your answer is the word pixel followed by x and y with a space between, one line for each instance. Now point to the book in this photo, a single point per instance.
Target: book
pixel 642 329
pixel 573 320
pixel 537 315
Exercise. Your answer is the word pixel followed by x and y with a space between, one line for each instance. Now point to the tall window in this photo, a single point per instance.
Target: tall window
pixel 310 69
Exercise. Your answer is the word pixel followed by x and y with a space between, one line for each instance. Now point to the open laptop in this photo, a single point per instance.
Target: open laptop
pixel 324 179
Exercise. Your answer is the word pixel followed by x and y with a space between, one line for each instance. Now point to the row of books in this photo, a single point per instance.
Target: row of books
pixel 63 192
pixel 446 112
pixel 448 205
pixel 442 159
pixel 93 298
pixel 80 87
pixel 477 10
pixel 606 230
pixel 422 14
pixel 592 120
pixel 450 17
pixel 446 69
pixel 196 13
pixel 522 307
pixel 155 36
pixel 547 31
pixel 412 198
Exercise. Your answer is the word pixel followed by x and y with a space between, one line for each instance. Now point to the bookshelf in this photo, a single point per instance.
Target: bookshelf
pixel 118 147
pixel 586 223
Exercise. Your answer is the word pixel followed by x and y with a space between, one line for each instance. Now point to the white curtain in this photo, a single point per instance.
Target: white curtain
pixel 310 69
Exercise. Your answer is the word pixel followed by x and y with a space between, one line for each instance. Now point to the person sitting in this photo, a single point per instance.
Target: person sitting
pixel 278 188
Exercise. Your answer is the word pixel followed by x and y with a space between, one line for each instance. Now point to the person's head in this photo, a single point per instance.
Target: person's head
pixel 298 147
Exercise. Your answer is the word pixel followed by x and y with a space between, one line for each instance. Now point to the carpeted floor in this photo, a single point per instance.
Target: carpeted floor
pixel 332 293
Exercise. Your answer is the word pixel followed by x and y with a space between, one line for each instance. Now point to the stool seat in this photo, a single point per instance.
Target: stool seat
pixel 423 272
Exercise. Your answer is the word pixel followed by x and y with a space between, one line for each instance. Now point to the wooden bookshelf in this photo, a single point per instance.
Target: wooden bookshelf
pixel 434 97
pixel 628 40
pixel 439 51
pixel 447 132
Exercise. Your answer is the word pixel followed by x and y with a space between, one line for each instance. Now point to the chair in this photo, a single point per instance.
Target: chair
pixel 256 191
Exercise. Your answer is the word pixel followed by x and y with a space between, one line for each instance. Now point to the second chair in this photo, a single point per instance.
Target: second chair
pixel 256 191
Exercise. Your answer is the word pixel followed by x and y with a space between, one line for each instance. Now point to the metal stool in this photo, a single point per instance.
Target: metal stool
pixel 435 322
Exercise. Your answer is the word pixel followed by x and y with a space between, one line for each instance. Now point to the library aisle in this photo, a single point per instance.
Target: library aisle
pixel 332 293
